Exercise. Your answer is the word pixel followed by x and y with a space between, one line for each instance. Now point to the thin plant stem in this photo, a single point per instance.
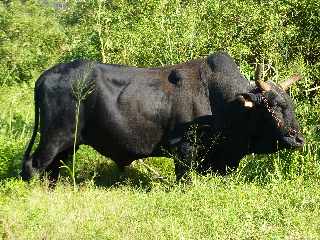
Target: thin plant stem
pixel 81 90
pixel 74 146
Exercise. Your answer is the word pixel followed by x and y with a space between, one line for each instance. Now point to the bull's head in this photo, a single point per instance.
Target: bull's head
pixel 274 125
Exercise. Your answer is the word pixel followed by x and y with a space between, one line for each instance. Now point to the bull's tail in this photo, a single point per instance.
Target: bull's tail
pixel 26 155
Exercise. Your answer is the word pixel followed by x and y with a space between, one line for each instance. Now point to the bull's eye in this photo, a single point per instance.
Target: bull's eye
pixel 292 133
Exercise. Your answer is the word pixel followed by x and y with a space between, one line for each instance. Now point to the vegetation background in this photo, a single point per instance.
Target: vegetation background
pixel 267 197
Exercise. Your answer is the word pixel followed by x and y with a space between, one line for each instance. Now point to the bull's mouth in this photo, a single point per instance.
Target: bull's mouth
pixel 292 142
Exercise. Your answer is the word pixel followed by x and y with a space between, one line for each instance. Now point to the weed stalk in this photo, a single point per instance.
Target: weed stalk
pixel 81 89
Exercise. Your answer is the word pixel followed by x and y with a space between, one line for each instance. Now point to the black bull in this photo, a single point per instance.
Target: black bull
pixel 128 113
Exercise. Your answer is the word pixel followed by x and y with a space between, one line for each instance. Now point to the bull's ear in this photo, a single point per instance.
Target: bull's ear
pixel 245 101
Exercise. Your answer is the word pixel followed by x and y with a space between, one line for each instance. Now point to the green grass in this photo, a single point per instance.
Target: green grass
pixel 209 208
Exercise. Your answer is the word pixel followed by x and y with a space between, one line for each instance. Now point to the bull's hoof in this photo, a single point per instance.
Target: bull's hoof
pixel 26 176
pixel 27 173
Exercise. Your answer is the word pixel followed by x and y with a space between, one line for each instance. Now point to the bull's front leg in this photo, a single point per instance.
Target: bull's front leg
pixel 184 159
pixel 192 143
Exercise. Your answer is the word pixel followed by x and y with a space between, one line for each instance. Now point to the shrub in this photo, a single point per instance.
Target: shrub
pixel 31 40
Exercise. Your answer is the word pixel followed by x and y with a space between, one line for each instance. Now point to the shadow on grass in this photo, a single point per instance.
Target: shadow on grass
pixel 103 172
pixel 110 175
pixel 106 173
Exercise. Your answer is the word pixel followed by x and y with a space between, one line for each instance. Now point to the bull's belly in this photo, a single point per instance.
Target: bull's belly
pixel 125 145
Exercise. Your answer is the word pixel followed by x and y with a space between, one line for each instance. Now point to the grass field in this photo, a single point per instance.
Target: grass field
pixel 274 196
pixel 209 208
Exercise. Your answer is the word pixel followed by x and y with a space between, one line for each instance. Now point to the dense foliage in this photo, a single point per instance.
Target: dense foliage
pixel 34 36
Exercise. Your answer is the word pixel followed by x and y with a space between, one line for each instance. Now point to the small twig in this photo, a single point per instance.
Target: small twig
pixel 312 89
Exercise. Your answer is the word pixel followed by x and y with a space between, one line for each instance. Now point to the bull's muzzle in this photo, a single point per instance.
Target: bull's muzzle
pixel 293 140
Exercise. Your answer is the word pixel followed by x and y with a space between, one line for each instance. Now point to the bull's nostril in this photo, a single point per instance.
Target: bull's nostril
pixel 299 140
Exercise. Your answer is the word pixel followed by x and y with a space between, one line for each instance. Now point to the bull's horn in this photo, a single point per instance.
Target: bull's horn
pixel 259 79
pixel 264 86
pixel 259 72
pixel 287 83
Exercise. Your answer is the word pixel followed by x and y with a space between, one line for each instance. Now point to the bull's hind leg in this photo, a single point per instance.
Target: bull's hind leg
pixel 52 148
pixel 27 170
pixel 39 160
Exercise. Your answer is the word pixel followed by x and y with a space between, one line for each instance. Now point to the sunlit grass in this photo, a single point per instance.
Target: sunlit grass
pixel 209 208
